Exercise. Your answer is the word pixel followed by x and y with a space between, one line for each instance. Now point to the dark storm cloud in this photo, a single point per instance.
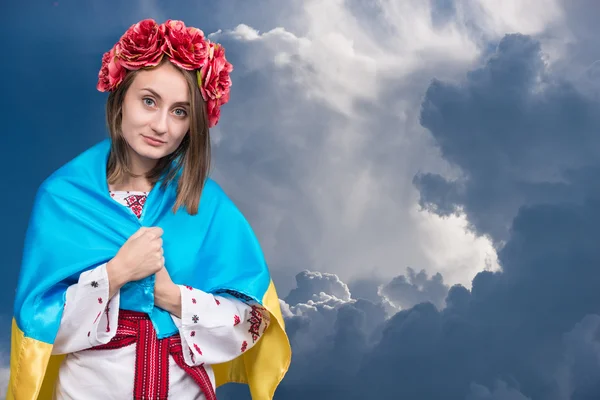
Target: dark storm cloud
pixel 516 130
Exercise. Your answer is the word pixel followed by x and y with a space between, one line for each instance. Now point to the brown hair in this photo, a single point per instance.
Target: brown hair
pixel 192 155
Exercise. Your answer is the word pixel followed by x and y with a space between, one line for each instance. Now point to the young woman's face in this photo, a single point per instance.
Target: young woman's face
pixel 156 112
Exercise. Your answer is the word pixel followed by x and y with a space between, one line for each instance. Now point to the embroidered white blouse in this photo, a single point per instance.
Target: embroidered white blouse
pixel 213 329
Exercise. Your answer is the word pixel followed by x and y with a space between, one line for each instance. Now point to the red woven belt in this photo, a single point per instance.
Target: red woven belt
pixel 152 357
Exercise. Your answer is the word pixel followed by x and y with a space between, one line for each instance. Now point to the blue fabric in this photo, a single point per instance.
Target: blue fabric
pixel 75 226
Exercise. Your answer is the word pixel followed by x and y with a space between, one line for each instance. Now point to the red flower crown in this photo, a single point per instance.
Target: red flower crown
pixel 144 45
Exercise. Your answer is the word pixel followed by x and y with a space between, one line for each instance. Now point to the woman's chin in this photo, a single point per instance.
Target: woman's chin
pixel 149 152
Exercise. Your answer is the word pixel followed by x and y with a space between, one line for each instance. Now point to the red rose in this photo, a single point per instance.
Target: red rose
pixel 186 47
pixel 215 81
pixel 111 73
pixel 141 46
pixel 214 112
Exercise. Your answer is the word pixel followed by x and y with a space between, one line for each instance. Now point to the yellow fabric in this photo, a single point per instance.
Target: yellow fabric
pixel 265 364
pixel 33 370
pixel 30 361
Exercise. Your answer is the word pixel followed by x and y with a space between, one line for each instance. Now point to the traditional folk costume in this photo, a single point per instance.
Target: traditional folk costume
pixel 69 341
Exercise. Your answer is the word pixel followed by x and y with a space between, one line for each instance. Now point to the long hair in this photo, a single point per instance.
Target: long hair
pixel 192 157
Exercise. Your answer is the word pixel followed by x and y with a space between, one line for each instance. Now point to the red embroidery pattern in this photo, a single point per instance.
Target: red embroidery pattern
pixel 100 300
pixel 107 318
pixel 236 320
pixel 197 349
pixel 218 302
pixel 193 333
pixel 136 203
pixel 152 357
pixel 188 287
pixel 255 321
pixel 193 301
pixel 244 346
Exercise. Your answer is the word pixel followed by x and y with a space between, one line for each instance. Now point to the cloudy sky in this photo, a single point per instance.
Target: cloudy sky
pixel 421 175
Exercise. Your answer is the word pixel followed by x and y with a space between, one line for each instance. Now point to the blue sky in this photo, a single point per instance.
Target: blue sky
pixel 422 176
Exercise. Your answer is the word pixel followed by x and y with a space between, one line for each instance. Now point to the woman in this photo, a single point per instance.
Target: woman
pixel 140 278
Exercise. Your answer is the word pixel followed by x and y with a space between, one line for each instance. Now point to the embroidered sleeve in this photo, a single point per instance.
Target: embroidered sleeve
pixel 215 329
pixel 89 317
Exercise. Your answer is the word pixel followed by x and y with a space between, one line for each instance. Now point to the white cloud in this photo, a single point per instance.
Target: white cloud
pixel 458 255
pixel 510 16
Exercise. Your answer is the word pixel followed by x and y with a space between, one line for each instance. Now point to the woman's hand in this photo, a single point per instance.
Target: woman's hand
pixel 166 293
pixel 140 257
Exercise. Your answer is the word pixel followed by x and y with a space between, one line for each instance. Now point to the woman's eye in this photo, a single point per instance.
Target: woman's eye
pixel 149 102
pixel 180 112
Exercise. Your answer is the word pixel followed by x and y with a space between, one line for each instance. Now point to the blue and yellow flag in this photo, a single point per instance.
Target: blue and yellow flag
pixel 75 226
